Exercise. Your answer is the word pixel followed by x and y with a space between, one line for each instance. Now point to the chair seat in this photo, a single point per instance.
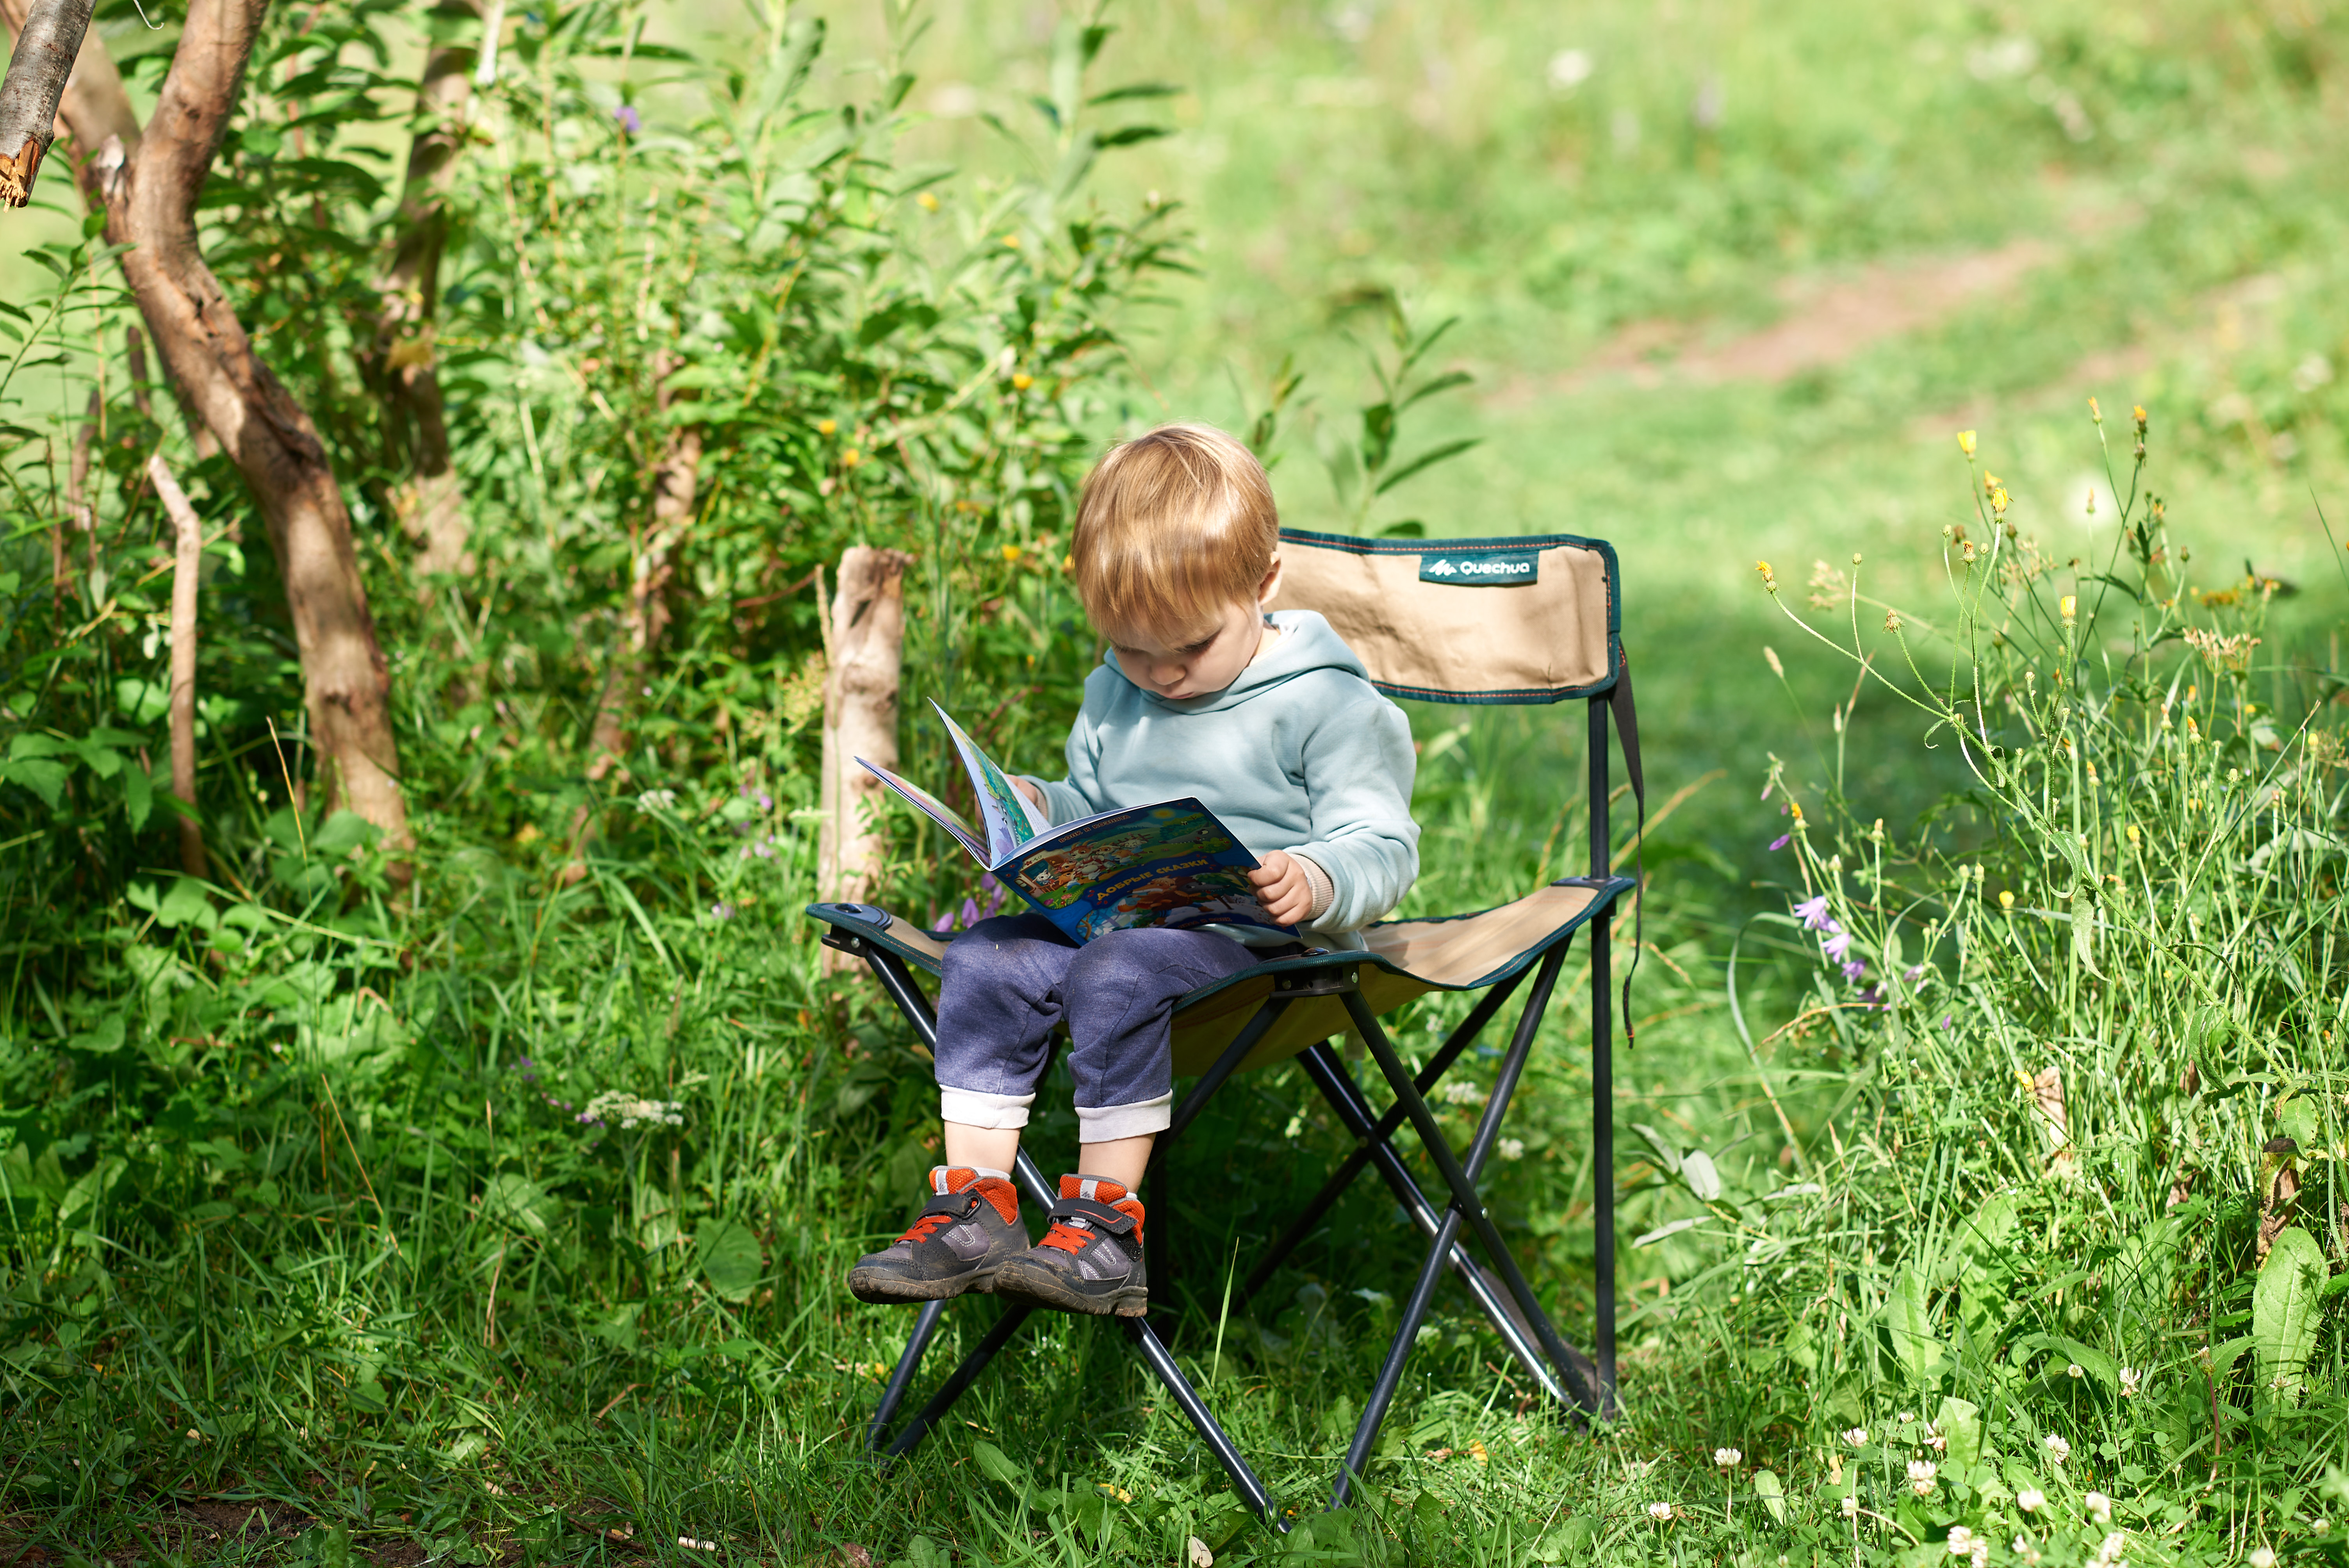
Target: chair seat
pixel 1404 959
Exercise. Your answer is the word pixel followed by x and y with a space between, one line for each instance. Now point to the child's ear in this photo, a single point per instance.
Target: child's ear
pixel 1269 589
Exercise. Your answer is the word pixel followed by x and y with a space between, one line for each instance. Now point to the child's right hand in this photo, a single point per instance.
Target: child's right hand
pixel 1032 795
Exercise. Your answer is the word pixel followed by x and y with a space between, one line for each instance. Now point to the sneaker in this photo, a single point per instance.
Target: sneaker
pixel 967 1232
pixel 1091 1260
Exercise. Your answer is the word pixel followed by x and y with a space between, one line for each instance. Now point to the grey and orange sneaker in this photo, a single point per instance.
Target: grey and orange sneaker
pixel 964 1235
pixel 1091 1260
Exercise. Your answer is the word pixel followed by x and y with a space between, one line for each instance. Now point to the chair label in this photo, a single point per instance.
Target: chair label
pixel 1482 568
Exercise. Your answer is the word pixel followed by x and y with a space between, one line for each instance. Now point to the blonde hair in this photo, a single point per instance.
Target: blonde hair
pixel 1173 526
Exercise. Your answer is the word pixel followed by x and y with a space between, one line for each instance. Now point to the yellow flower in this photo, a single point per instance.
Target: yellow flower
pixel 1011 552
pixel 850 458
pixel 1021 382
pixel 2138 409
pixel 1010 242
pixel 2000 500
pixel 1476 1450
pixel 2070 605
pixel 2095 413
pixel 826 427
pixel 1989 483
pixel 1966 442
pixel 2132 833
pixel 1068 563
pixel 929 200
pixel 2006 900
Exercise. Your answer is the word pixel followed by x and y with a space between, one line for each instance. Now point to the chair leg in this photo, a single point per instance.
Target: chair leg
pixel 1602 1160
pixel 1460 1039
pixel 1161 1362
pixel 1383 1392
pixel 1518 1333
pixel 925 1327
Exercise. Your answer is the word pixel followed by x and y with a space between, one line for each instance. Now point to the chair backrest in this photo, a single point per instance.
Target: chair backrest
pixel 1528 619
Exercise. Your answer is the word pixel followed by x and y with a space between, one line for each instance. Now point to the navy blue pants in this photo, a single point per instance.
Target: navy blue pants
pixel 1010 979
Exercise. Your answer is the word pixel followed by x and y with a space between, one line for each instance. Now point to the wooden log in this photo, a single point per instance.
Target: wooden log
pixel 187 560
pixel 865 647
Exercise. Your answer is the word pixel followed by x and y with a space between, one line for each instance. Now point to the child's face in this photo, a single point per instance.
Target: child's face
pixel 1199 661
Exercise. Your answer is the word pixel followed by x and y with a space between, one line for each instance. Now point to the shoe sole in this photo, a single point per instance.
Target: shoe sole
pixel 1033 1287
pixel 878 1289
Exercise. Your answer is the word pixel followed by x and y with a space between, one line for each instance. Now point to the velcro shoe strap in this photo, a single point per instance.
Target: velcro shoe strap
pixel 1101 1216
pixel 962 1205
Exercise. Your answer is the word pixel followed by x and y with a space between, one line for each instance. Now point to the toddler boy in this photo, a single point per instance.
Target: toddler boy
pixel 1272 722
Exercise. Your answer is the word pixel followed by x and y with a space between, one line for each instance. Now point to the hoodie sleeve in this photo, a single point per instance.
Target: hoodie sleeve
pixel 1357 766
pixel 1069 798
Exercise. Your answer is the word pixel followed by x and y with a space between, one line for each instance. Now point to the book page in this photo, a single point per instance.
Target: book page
pixel 1011 822
pixel 935 809
pixel 1172 864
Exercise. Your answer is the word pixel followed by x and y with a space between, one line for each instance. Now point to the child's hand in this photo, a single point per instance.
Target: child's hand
pixel 1282 888
pixel 1034 796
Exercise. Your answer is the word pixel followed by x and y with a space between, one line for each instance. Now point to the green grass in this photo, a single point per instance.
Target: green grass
pixel 236 1275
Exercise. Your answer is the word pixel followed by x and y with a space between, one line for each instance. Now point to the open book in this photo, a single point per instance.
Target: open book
pixel 1168 865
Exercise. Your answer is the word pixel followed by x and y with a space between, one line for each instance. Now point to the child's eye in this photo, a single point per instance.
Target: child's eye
pixel 1200 646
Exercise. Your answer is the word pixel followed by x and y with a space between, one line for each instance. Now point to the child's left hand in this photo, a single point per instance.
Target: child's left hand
pixel 1282 888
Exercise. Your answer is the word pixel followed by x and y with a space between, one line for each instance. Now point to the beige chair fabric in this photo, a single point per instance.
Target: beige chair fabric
pixel 1458 619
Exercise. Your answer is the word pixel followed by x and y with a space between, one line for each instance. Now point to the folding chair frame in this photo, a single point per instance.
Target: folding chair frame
pixel 1501 1291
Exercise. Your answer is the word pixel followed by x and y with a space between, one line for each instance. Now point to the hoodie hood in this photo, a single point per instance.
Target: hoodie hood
pixel 1307 645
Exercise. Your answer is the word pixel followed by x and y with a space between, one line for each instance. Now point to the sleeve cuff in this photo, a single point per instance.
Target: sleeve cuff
pixel 1325 892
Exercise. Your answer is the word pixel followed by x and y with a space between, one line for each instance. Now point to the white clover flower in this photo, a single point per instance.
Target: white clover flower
pixel 2057 1447
pixel 1935 1438
pixel 2025 1550
pixel 657 801
pixel 2099 1506
pixel 2263 1557
pixel 628 1110
pixel 1961 1540
pixel 1660 1511
pixel 2130 1378
pixel 2031 1499
pixel 1727 1458
pixel 1921 1477
pixel 1906 1417
pixel 1857 1437
pixel 1980 1554
pixel 2109 1553
pixel 1850 1506
pixel 1513 1148
pixel 2075 1371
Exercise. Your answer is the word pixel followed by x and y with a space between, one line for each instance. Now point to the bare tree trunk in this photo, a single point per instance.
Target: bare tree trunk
pixel 148 190
pixel 863 645
pixel 187 559
pixel 431 504
pixel 47 39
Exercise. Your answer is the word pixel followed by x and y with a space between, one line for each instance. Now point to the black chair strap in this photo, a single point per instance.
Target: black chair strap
pixel 1627 726
pixel 1101 1216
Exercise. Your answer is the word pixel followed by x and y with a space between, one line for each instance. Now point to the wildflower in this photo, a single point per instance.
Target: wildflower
pixel 1769 579
pixel 2130 1378
pixel 1854 969
pixel 1813 914
pixel 2095 413
pixel 927 200
pixel 628 118
pixel 1850 1506
pixel 1513 1148
pixel 849 458
pixel 1891 621
pixel 629 1110
pixel 1916 972
pixel 1921 1477
pixel 1011 553
pixel 1660 1511
pixel 1781 841
pixel 2069 605
pixel 1935 1438
pixel 2138 409
pixel 657 801
pixel 1835 946
pixel 1872 997
pixel 2057 1448
pixel 1999 502
pixel 2108 1554
pixel 1961 1540
pixel 1022 381
pixel 2075 1371
pixel 1966 442
pixel 1727 1458
pixel 1857 1437
pixel 2263 1557
pixel 2031 1499
pixel 722 911
pixel 2099 1506
pixel 2005 900
pixel 826 427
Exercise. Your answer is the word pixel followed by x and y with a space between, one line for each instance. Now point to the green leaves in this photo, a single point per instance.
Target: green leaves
pixel 518 1203
pixel 728 1255
pixel 2284 1312
pixel 997 1463
pixel 1910 1325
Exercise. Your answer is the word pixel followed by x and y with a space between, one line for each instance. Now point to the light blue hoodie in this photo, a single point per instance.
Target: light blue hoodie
pixel 1300 753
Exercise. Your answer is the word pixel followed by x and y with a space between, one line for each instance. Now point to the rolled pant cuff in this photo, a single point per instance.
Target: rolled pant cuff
pixel 1108 1123
pixel 975 1108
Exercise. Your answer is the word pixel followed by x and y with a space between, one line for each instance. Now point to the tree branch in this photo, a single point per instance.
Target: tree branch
pixel 94 107
pixel 37 72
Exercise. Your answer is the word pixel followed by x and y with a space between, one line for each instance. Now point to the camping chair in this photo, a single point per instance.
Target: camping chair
pixel 1523 620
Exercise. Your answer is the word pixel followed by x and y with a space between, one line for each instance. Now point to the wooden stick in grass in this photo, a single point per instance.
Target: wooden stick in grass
pixel 37 72
pixel 864 643
pixel 187 556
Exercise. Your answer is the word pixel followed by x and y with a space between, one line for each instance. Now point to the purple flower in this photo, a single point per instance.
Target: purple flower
pixel 628 118
pixel 1945 1020
pixel 1838 945
pixel 994 896
pixel 1812 913
pixel 1911 977
pixel 969 913
pixel 1782 841
pixel 766 801
pixel 1854 970
pixel 722 912
pixel 1871 998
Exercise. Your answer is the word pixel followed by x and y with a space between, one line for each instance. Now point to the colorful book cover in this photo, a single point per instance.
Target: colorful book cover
pixel 1172 863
